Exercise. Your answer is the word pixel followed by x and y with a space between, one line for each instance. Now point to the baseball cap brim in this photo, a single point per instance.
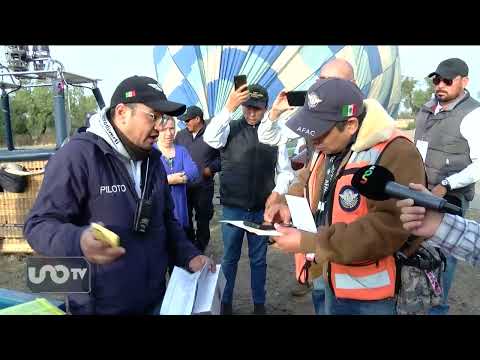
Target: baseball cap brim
pixel 445 74
pixel 311 124
pixel 261 104
pixel 167 107
pixel 164 106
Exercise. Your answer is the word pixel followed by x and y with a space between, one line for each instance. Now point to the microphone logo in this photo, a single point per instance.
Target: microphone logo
pixel 366 174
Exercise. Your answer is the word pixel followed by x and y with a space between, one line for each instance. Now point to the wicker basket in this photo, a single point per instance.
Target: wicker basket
pixel 14 208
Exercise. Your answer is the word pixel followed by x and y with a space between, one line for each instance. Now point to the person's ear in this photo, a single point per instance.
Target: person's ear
pixel 465 81
pixel 122 112
pixel 352 125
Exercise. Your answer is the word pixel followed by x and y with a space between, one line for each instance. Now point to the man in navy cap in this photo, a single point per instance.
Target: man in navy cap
pixel 252 176
pixel 446 133
pixel 110 174
pixel 200 192
pixel 356 237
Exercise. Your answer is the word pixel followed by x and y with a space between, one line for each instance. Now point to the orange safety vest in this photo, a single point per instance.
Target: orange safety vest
pixel 367 280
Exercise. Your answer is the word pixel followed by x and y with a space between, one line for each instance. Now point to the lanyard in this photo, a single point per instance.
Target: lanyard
pixel 331 168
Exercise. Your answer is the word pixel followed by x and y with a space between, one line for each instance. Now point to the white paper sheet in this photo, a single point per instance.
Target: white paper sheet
pixel 301 214
pixel 207 300
pixel 180 295
pixel 197 293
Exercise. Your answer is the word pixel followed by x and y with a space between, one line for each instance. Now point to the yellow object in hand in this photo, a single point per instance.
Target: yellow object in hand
pixel 104 235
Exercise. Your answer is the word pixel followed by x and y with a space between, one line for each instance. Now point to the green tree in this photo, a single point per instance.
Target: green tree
pixel 20 108
pixel 420 97
pixel 407 88
pixel 79 104
pixel 32 110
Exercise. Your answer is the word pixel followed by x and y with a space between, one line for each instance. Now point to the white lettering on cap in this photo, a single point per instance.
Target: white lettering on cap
pixel 156 86
pixel 306 131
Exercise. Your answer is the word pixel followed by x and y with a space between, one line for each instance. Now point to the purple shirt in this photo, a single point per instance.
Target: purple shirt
pixel 181 162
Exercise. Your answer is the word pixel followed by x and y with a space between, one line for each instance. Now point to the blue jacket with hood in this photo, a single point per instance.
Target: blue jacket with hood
pixel 93 179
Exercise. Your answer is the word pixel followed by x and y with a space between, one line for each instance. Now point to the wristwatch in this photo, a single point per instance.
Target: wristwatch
pixel 446 184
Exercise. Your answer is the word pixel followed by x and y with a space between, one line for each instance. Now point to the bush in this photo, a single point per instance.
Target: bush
pixel 410 126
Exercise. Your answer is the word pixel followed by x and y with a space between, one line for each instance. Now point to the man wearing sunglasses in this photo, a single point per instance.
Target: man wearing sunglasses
pixel 110 174
pixel 446 134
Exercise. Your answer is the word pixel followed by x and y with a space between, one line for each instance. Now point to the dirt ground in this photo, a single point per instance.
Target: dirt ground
pixel 464 295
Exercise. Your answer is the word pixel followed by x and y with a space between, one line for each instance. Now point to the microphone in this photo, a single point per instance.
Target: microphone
pixel 378 183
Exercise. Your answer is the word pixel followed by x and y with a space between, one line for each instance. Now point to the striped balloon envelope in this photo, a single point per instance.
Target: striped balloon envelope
pixel 203 75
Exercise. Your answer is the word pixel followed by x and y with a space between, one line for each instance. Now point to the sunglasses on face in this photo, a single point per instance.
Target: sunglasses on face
pixel 437 79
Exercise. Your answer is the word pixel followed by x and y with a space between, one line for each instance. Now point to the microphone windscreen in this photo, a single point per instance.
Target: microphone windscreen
pixel 370 181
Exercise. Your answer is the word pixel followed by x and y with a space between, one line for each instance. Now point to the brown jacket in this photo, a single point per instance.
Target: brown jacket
pixel 380 232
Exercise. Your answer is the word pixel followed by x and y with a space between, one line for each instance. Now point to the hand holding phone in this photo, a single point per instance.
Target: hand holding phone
pixel 237 98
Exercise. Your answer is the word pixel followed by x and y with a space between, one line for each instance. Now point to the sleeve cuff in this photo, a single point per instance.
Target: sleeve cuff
pixel 225 114
pixel 281 189
pixel 75 249
pixel 308 242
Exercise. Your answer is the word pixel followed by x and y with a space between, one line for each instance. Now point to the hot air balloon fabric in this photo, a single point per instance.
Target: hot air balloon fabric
pixel 203 75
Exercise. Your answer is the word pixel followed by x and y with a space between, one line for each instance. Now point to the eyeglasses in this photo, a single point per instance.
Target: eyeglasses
pixel 162 118
pixel 437 79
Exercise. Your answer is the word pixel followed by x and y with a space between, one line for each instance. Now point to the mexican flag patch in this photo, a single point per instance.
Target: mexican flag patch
pixel 130 94
pixel 349 110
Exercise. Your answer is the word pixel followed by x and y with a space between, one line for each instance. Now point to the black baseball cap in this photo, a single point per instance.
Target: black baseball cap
pixel 147 91
pixel 451 68
pixel 192 111
pixel 258 96
pixel 328 101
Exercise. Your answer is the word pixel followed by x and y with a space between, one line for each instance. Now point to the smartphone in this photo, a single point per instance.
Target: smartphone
pixel 263 226
pixel 296 98
pixel 259 226
pixel 239 80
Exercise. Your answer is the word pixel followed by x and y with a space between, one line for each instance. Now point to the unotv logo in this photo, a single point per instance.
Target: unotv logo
pixel 58 275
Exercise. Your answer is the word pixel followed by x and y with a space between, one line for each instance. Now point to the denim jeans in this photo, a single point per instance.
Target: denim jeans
pixel 447 279
pixel 334 306
pixel 318 295
pixel 232 249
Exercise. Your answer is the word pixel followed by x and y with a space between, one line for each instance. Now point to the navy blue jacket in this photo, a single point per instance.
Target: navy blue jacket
pixel 86 182
pixel 202 154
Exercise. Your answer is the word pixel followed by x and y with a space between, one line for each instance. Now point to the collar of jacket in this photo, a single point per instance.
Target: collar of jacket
pixel 246 124
pixel 107 148
pixel 377 126
pixel 199 133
